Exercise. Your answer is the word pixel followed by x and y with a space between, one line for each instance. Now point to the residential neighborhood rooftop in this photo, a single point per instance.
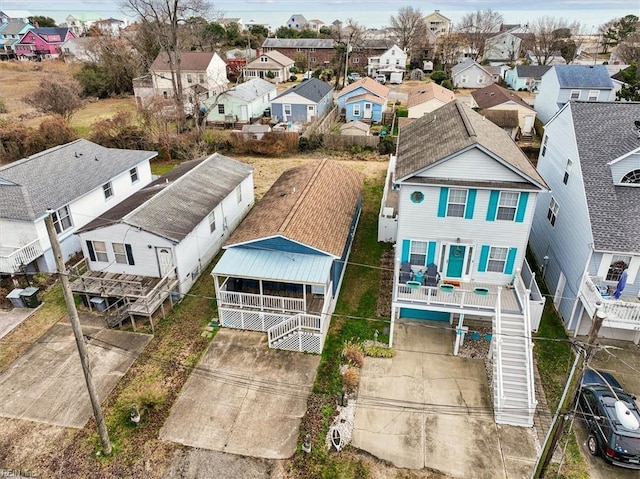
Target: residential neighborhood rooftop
pixel 298 43
pixel 583 76
pixel 428 92
pixel 247 91
pixel 532 71
pixel 494 94
pixel 369 84
pixel 189 61
pixel 312 89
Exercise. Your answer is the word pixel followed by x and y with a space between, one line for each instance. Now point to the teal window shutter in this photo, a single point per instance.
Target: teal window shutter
pixel 522 206
pixel 471 204
pixel 511 259
pixel 406 246
pixel 484 257
pixel 442 206
pixel 431 253
pixel 493 205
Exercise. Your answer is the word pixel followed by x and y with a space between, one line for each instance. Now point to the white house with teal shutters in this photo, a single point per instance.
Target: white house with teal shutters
pixel 462 196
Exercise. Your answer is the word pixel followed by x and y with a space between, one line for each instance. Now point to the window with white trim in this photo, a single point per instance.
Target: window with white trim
pixel 593 95
pixel 120 253
pixel 133 174
pixel 633 177
pixel 575 95
pixel 507 205
pixel 544 144
pixel 212 221
pixel 355 60
pixel 456 203
pixel 356 110
pixel 200 78
pixel 107 189
pixel 239 194
pixel 418 253
pixel 62 219
pixel 287 109
pixel 100 250
pixel 189 78
pixel 221 109
pixel 618 265
pixel 497 259
pixel 567 171
pixel 552 214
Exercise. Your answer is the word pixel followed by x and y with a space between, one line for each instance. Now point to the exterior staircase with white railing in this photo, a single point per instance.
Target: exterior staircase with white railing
pixel 513 374
pixel 302 332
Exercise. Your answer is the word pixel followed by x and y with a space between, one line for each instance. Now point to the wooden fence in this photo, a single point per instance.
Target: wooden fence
pixel 322 125
pixel 344 142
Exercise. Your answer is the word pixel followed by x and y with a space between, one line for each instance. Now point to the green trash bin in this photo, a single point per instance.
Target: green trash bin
pixel 30 297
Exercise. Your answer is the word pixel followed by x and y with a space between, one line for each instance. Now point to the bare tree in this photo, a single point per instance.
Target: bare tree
pixel 449 47
pixel 548 34
pixel 477 27
pixel 628 51
pixel 162 19
pixel 409 28
pixel 59 98
pixel 350 39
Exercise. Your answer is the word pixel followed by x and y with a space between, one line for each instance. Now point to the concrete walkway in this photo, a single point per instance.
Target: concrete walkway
pixel 11 318
pixel 243 398
pixel 425 408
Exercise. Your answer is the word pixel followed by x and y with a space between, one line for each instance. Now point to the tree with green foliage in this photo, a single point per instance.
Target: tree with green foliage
pixel 448 84
pixel 620 29
pixel 631 89
pixel 42 21
pixel 439 76
pixel 286 32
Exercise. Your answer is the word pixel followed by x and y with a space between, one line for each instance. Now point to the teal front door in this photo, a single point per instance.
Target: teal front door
pixel 456 261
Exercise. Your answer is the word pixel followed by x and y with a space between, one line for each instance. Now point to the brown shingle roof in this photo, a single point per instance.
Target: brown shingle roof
pixel 429 92
pixel 276 59
pixel 493 95
pixel 189 61
pixel 451 129
pixel 369 84
pixel 312 204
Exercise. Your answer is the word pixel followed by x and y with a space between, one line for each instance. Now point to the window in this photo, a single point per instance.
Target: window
pixel 567 171
pixel 544 144
pixel 480 79
pixel 575 94
pixel 497 259
pixel 593 95
pixel 62 219
pixel 239 194
pixel 133 174
pixel 552 214
pixel 264 59
pixel 618 265
pixel 312 59
pixel 189 78
pixel 212 221
pixel 107 189
pixel 221 109
pixel 165 95
pixel 633 177
pixel 456 203
pixel 200 78
pixel 417 197
pixel 356 110
pixel 418 253
pixel 287 109
pixel 507 206
pixel 99 251
pixel 123 253
pixel 355 60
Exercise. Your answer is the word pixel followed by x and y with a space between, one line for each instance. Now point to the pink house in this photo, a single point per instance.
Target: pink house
pixel 42 43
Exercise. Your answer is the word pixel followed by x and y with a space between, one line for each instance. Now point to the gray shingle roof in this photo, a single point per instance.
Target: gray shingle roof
pixel 583 76
pixel 451 129
pixel 12 27
pixel 298 43
pixel 604 132
pixel 532 71
pixel 55 177
pixel 249 91
pixel 312 89
pixel 463 65
pixel 177 202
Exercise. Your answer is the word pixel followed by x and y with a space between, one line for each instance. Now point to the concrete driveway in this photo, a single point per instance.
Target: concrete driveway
pixel 243 398
pixel 46 384
pixel 624 364
pixel 425 408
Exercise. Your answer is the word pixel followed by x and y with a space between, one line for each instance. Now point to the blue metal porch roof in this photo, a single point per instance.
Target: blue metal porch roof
pixel 274 266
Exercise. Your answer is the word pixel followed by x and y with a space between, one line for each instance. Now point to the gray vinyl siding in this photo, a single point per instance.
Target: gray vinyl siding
pixel 546 102
pixel 568 244
pixel 624 166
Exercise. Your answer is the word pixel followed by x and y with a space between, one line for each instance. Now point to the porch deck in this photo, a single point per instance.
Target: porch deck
pixel 623 313
pixel 271 300
pixel 12 259
pixel 479 298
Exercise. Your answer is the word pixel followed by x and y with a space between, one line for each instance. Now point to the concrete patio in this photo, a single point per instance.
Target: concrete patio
pixel 243 398
pixel 425 408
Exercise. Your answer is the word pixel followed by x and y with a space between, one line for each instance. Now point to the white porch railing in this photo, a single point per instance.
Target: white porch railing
pixel 262 302
pixel 497 342
pixel 620 314
pixel 434 296
pixel 531 399
pixel 298 323
pixel 12 261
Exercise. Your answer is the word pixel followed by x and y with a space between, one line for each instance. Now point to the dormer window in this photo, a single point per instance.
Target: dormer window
pixel 264 59
pixel 631 178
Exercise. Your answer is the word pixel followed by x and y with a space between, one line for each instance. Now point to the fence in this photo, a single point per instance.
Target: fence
pixel 344 142
pixel 322 125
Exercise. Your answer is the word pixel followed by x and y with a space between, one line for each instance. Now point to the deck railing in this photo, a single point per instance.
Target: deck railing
pixel 297 323
pixel 531 399
pixel 624 314
pixel 497 338
pixel 261 302
pixel 435 295
pixel 22 256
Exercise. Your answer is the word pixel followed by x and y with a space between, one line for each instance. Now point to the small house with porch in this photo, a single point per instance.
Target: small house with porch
pixel 272 66
pixel 364 100
pixel 304 102
pixel 586 232
pixel 282 269
pixel 155 244
pixel 241 103
pixel 462 196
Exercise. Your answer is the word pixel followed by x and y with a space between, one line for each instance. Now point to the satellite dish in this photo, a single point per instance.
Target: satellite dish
pixel 626 417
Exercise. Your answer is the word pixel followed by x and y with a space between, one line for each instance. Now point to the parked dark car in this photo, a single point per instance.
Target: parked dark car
pixel 607 436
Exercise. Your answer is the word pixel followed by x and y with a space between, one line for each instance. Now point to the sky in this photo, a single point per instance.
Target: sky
pixel 369 13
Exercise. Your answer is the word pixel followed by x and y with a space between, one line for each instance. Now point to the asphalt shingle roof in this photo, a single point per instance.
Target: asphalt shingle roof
pixel 189 61
pixel 275 60
pixel 583 76
pixel 312 204
pixel 605 132
pixel 532 71
pixel 55 177
pixel 174 204
pixel 493 95
pixel 298 43
pixel 12 27
pixel 428 92
pixel 368 84
pixel 249 91
pixel 312 89
pixel 451 129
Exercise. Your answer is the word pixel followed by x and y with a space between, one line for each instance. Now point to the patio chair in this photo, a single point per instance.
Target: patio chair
pixel 431 276
pixel 405 272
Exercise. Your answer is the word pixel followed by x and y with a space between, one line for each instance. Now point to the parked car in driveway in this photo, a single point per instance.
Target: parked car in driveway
pixel 353 76
pixel 612 419
pixel 381 79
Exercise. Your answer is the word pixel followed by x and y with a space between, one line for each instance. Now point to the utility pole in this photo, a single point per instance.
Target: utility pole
pixel 77 331
pixel 568 395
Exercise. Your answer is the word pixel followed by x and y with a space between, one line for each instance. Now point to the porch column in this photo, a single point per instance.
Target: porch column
pixel 261 291
pixel 460 333
pixel 393 321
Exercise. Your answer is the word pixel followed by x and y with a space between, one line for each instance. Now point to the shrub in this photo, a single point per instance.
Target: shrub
pixel 448 84
pixel 439 76
pixel 386 145
pixel 378 351
pixel 402 112
pixel 351 378
pixel 352 352
pixel 3 106
pixel 293 78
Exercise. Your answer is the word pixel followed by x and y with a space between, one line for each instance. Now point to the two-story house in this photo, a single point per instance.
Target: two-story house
pixel 586 232
pixel 462 196
pixel 272 66
pixel 504 46
pixel 307 53
pixel 564 83
pixel 10 33
pixel 40 43
pixel 78 181
pixel 393 59
pixel 437 23
pixel 363 100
